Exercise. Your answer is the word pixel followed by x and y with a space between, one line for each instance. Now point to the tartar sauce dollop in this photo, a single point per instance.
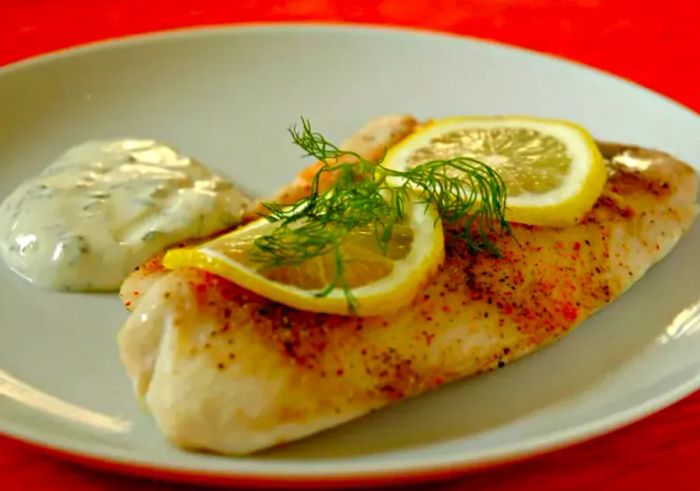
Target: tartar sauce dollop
pixel 104 207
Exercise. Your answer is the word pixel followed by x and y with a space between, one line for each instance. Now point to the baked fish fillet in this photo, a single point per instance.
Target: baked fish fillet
pixel 225 370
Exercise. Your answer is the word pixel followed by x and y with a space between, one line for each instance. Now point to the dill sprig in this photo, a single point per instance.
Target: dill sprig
pixel 369 196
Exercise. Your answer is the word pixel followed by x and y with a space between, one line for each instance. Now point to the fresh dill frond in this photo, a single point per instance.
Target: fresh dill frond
pixel 464 191
pixel 315 144
pixel 367 195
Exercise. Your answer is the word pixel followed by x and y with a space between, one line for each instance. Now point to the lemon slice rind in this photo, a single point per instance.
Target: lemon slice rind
pixel 563 206
pixel 382 296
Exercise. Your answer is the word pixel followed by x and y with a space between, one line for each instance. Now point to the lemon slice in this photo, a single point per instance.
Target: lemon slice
pixel 381 281
pixel 553 169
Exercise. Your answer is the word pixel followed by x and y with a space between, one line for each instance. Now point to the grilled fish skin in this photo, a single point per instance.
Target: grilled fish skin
pixel 225 370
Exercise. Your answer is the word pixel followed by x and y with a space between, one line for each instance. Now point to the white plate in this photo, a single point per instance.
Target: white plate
pixel 227 96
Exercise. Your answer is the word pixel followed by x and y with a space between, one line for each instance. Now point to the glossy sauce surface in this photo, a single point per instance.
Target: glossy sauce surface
pixel 104 207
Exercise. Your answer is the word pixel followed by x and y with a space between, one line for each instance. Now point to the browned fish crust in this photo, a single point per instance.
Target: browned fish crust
pixel 477 313
pixel 545 281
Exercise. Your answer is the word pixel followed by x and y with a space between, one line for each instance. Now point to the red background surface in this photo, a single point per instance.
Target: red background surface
pixel 653 43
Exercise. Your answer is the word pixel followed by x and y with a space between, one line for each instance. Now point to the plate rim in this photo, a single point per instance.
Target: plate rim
pixel 402 471
pixel 184 31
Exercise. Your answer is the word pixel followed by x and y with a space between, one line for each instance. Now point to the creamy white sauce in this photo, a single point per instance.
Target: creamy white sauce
pixel 104 207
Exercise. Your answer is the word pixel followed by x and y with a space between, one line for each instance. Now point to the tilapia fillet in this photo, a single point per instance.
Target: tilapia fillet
pixel 225 370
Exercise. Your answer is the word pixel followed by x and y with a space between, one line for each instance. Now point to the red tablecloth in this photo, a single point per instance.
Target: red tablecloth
pixel 653 43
